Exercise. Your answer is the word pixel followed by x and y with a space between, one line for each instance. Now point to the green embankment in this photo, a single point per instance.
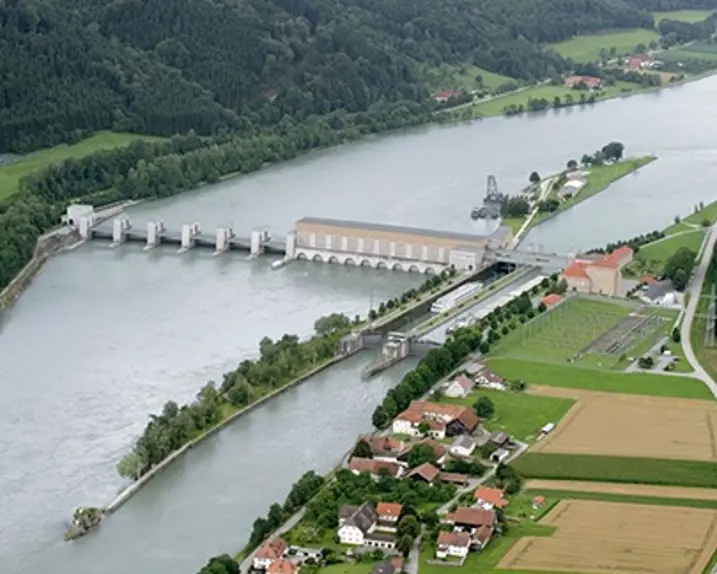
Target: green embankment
pixel 618 469
pixel 11 174
pixel 548 374
pixel 651 258
pixel 586 48
pixel 707 214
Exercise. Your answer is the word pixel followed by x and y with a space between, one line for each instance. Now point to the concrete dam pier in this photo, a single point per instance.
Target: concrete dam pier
pixel 322 240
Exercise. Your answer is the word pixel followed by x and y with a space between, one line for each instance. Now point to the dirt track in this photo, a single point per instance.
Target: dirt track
pixel 612 538
pixel 627 489
pixel 612 424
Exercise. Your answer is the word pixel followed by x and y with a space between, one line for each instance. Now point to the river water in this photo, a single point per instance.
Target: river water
pixel 102 338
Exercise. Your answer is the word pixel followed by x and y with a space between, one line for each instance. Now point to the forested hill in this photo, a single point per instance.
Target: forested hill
pixel 165 66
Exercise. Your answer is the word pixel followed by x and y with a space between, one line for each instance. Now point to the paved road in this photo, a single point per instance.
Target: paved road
pixel 545 187
pixel 694 289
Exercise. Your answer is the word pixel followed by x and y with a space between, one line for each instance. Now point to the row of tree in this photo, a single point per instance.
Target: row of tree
pixel 279 363
pixel 432 283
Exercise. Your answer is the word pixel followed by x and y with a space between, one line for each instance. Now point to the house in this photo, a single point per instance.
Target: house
pixel 357 526
pixel 538 502
pixel 472 369
pixel 392 566
pixel 552 300
pixel 425 472
pixel 499 438
pixel 459 387
pixel 374 467
pixel 571 188
pixel 445 95
pixel 489 380
pixel 443 419
pixel 463 445
pixel 490 498
pixel 660 293
pixel 388 515
pixel 499 455
pixel 482 536
pixel 470 519
pixel 269 552
pixel 589 82
pixel 386 448
pixel 647 279
pixel 301 553
pixel 640 61
pixel 438 449
pixel 282 567
pixel 602 275
pixel 453 478
pixel 456 544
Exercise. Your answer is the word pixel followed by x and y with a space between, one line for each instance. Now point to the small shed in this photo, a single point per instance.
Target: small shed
pixel 500 455
pixel 552 299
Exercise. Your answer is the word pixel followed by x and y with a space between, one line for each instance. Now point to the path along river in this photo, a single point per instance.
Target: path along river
pixel 102 338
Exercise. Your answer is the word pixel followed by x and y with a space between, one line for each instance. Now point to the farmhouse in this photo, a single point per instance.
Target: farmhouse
pixel 282 567
pixel 467 519
pixel 443 420
pixel 490 498
pixel 425 472
pixel 659 293
pixel 357 526
pixel 388 515
pixel 384 448
pixel 456 544
pixel 640 61
pixel 453 478
pixel 601 276
pixel 589 82
pixel 269 552
pixel 463 446
pixel 445 95
pixel 374 467
pixel 459 387
pixel 438 449
pixel 391 566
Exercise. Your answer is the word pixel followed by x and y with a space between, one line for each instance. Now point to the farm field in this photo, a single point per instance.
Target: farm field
pixel 609 537
pixel 701 51
pixel 646 490
pixel 690 16
pixel 564 331
pixel 11 174
pixel 632 426
pixel 567 376
pixel 587 48
pixel 618 469
pixel 519 414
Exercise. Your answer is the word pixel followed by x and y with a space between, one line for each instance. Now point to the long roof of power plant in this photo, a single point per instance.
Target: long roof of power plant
pixel 499 233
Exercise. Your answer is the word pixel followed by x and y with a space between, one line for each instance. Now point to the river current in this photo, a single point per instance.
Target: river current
pixel 104 337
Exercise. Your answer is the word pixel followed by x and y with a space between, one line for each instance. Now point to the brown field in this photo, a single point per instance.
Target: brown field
pixel 627 489
pixel 611 424
pixel 614 538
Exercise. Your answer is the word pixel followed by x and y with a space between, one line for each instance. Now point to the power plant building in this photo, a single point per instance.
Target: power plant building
pixel 386 246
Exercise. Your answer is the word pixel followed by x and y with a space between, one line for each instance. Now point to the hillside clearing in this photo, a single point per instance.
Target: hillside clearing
pixel 587 48
pixel 690 16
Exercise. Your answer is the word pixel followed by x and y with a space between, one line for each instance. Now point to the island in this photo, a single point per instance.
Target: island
pixel 84 519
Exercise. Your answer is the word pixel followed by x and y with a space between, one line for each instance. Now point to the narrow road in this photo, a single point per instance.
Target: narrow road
pixel 694 289
pixel 545 187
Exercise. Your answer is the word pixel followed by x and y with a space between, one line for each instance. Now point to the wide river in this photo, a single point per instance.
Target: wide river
pixel 103 338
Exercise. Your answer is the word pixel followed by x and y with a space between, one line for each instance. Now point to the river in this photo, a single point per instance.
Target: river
pixel 102 338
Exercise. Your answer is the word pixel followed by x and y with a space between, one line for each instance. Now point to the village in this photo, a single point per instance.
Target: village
pixel 434 484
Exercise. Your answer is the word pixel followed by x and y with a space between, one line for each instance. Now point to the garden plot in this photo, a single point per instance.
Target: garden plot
pixel 606 537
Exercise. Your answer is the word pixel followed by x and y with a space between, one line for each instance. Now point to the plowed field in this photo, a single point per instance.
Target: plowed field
pixel 614 538
pixel 624 489
pixel 611 424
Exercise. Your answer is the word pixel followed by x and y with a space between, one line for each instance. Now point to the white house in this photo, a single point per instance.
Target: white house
pixel 463 445
pixel 459 388
pixel 455 544
pixel 357 526
pixel 388 515
pixel 490 498
pixel 269 552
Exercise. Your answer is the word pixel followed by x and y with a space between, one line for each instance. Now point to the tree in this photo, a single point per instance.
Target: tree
pixel 572 164
pixel 515 207
pixel 676 335
pixel 408 526
pixel 484 407
pixel 404 545
pixel 362 450
pixel 421 453
pixel 330 323
pixel 534 177
pixel 424 428
pixel 379 418
pixel 613 151
pixel 679 267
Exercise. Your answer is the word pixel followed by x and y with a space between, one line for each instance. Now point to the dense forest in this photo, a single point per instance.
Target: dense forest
pixel 167 66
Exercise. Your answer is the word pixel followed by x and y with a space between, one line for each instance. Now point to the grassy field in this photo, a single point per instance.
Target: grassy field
pixel 599 179
pixel 11 174
pixel 651 258
pixel 587 48
pixel 690 16
pixel 707 213
pixel 550 374
pixel 559 334
pixel 700 51
pixel 627 498
pixel 519 414
pixel 448 77
pixel 618 469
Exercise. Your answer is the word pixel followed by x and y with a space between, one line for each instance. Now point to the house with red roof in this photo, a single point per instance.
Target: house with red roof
pixel 282 567
pixel 589 82
pixel 552 300
pixel 601 276
pixel 374 467
pixel 445 95
pixel 442 419
pixel 455 544
pixel 459 388
pixel 269 552
pixel 490 498
pixel 640 61
pixel 388 515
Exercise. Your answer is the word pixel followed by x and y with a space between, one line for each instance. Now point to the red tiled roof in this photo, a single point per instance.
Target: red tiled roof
pixel 448 410
pixel 410 416
pixel 483 534
pixel 425 470
pixel 461 539
pixel 576 270
pixel 389 509
pixel 438 449
pixel 648 279
pixel 589 81
pixel 492 496
pixel 469 419
pixel 281 567
pixel 552 299
pixel 272 549
pixel 472 516
pixel 453 477
pixel 372 466
pixel 446 94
